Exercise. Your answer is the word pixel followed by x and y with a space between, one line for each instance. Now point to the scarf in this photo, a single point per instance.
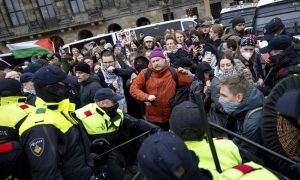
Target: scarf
pixel 222 75
pixel 110 78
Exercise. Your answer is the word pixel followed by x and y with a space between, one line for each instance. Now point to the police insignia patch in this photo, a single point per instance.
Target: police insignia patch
pixel 37 146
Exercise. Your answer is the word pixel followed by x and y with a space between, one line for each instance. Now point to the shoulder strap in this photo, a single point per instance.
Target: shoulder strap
pixel 174 74
pixel 172 70
pixel 249 113
pixel 148 74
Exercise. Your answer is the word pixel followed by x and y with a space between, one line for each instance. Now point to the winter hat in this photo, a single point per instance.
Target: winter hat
pixel 56 55
pixel 9 87
pixel 201 69
pixel 140 63
pixel 26 77
pixel 237 20
pixel 48 75
pixel 247 41
pixel 33 67
pixel 157 52
pixel 162 153
pixel 148 38
pixel 292 98
pixel 271 28
pixel 107 93
pixel 191 121
pixel 280 42
pixel 83 67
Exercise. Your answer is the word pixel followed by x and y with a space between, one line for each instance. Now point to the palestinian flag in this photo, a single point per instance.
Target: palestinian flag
pixel 31 48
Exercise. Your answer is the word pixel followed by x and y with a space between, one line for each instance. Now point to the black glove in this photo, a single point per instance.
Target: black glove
pixel 100 145
pixel 295 169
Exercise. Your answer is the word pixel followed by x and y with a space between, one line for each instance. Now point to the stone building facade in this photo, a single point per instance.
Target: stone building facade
pixel 66 21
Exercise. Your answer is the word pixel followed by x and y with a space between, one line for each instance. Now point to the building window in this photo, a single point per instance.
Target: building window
pixel 107 3
pixel 15 13
pixel 47 9
pixel 77 6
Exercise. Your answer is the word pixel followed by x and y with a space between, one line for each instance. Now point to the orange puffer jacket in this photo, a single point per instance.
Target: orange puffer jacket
pixel 163 86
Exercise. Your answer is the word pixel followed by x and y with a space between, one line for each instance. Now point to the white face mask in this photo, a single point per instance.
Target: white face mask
pixel 247 55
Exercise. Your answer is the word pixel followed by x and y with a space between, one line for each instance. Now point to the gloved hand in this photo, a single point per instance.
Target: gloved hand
pixel 100 145
pixel 295 169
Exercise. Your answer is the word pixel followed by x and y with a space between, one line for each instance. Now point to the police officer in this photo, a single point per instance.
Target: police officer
pixel 104 120
pixel 283 56
pixel 190 128
pixel 13 110
pixel 53 142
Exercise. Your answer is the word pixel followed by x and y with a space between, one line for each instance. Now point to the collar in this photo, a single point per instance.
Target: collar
pixel 12 100
pixel 64 107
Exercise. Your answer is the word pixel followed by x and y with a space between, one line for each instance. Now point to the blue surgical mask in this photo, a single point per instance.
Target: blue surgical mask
pixel 229 107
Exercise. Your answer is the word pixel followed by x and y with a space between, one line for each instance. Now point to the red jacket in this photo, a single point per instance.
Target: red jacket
pixel 163 86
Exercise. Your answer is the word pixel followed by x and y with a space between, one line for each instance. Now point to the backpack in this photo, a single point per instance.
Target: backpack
pixel 182 92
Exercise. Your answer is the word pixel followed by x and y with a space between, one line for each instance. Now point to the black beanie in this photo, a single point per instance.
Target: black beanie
pixel 236 20
pixel 83 67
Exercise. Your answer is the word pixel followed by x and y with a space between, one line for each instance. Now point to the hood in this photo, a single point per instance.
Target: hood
pixel 253 99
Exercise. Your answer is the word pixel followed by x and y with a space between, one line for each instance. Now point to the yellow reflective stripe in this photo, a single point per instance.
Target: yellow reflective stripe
pixel 11 114
pixel 48 118
pixel 12 100
pixel 95 123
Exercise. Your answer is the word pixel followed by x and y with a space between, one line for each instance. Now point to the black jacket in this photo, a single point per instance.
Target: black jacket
pixel 180 53
pixel 88 89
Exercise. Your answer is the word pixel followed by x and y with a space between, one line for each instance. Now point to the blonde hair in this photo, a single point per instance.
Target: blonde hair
pixel 217 28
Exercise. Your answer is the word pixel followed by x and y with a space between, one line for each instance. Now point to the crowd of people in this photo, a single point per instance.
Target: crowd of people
pixel 74 116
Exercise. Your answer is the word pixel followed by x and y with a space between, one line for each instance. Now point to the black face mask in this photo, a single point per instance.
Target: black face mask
pixel 277 60
pixel 54 92
pixel 111 111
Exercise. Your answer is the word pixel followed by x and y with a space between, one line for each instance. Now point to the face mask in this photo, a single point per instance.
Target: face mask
pixel 275 59
pixel 247 55
pixel 229 107
pixel 111 111
pixel 29 91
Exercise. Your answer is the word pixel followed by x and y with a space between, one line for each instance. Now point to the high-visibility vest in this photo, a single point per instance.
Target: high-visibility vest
pixel 96 121
pixel 11 118
pixel 247 171
pixel 42 115
pixel 228 153
pixel 12 100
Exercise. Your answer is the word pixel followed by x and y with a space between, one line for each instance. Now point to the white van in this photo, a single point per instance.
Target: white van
pixel 149 30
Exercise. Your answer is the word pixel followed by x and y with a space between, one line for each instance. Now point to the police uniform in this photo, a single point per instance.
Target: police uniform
pixel 12 158
pixel 247 171
pixel 115 128
pixel 53 144
pixel 12 110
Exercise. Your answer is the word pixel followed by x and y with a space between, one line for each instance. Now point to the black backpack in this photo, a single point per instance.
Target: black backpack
pixel 182 92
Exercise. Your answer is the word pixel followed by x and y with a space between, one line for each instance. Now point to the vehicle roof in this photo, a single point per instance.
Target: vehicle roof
pixel 164 22
pixel 5 55
pixel 239 7
pixel 266 2
pixel 88 39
